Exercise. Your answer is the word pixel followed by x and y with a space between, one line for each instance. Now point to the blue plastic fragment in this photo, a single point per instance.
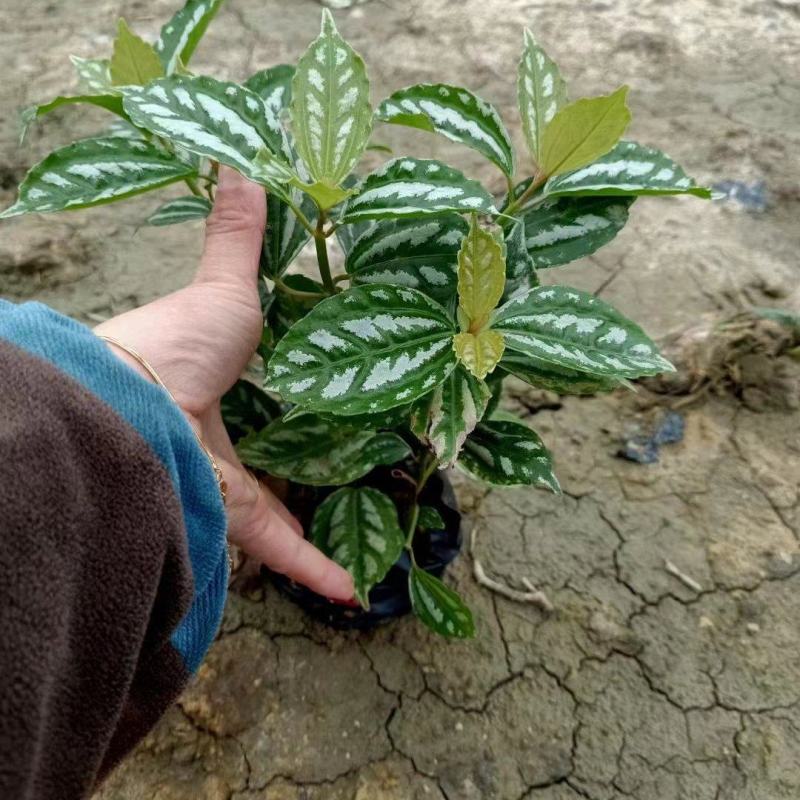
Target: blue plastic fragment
pixel 751 196
pixel 643 449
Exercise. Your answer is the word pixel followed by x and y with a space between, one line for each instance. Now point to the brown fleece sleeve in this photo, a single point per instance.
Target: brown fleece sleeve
pixel 94 577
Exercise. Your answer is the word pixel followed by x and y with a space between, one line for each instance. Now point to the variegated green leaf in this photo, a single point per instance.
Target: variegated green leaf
pixel 367 349
pixel 181 35
pixel 444 418
pixel 479 352
pixel 429 519
pixel 503 453
pixel 95 171
pixel 358 528
pixel 520 271
pixel 561 380
pixel 274 86
pixel 481 276
pixel 94 75
pixel 583 131
pixel 109 102
pixel 455 113
pixel 331 115
pixel 562 230
pixel 285 236
pixel 313 450
pixel 541 92
pixel 246 408
pixel 420 253
pixel 134 61
pixel 414 187
pixel 182 209
pixel 573 329
pixel 219 120
pixel 628 169
pixel 438 606
pixel 348 234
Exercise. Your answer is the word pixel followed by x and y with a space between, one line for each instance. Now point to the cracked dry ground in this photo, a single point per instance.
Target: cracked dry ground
pixel 636 686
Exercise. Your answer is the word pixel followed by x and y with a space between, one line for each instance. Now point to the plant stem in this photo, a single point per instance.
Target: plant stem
pixel 427 468
pixel 298 293
pixel 343 276
pixel 321 244
pixel 301 216
pixel 195 189
pixel 538 179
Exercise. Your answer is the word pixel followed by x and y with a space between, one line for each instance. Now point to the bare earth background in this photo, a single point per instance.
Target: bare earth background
pixel 637 686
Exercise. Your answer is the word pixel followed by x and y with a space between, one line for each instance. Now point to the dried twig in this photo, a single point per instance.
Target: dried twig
pixel 685 579
pixel 534 596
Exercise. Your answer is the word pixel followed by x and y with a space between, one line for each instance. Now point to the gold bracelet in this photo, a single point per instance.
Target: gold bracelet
pixel 138 357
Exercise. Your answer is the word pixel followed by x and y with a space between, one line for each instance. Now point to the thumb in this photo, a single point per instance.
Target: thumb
pixel 234 230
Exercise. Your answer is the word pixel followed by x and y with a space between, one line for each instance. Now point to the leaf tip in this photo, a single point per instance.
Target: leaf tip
pixel 328 24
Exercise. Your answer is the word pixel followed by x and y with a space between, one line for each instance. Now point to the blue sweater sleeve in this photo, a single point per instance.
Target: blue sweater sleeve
pixel 76 351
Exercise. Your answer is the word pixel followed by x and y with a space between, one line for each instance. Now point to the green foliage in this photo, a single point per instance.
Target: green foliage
pixel 183 209
pixel 331 115
pixel 418 253
pixel 368 349
pixel 583 131
pixel 439 607
pixel 181 35
pixel 96 171
pixel 314 450
pixel 503 453
pixel 455 113
pixel 414 187
pixel 358 528
pixel 395 366
pixel 134 61
pixel 541 92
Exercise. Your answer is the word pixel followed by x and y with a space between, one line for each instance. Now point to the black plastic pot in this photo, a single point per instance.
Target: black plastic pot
pixel 433 550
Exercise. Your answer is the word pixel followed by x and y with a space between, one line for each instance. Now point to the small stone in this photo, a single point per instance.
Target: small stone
pixel 753 627
pixel 706 622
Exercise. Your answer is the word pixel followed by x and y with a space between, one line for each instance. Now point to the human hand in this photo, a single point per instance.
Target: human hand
pixel 199 340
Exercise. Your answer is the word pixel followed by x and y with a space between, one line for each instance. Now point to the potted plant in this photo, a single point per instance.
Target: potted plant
pixel 379 377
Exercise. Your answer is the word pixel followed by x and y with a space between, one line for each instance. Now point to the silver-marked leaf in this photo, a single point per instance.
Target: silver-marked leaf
pixel 627 169
pixel 358 528
pixel 438 606
pixel 312 450
pixel 124 130
pixel 444 418
pixel 274 86
pixel 95 171
pixel 181 35
pixel 415 187
pixel 246 408
pixel 520 271
pixel 284 236
pixel 429 519
pixel 348 235
pixel 561 380
pixel 455 113
pixel 94 75
pixel 503 453
pixel 110 102
pixel 368 349
pixel 573 329
pixel 182 209
pixel 420 253
pixel 541 92
pixel 222 121
pixel 331 115
pixel 561 230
